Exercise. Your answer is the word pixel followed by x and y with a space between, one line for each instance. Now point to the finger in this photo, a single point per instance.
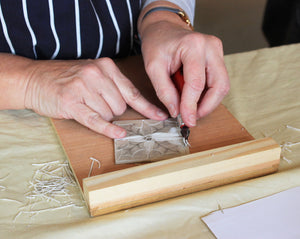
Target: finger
pixel 164 87
pixel 99 105
pixel 112 96
pixel 99 82
pixel 218 86
pixel 194 76
pixel 91 119
pixel 133 97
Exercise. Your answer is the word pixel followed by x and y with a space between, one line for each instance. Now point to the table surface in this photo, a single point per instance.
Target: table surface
pixel 39 198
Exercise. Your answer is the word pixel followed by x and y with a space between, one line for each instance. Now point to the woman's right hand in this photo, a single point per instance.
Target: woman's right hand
pixel 91 92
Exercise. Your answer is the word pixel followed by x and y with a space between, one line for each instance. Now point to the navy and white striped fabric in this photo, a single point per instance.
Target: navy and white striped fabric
pixel 68 29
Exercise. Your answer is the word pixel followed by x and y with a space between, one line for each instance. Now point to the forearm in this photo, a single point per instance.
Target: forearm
pixel 14 76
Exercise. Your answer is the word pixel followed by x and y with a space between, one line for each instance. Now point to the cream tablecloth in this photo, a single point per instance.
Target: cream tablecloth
pixel 39 199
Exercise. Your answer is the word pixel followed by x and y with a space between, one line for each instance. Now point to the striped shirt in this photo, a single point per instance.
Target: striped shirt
pixel 68 29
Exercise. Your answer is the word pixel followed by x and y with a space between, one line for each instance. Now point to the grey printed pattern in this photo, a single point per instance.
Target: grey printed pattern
pixel 148 141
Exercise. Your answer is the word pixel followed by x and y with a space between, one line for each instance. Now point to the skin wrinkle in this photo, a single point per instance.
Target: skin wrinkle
pixel 30 74
pixel 27 94
pixel 134 94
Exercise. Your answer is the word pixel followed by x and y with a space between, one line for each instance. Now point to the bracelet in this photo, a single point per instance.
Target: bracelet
pixel 179 12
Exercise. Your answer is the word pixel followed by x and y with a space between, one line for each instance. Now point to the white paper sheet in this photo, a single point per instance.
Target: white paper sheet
pixel 276 216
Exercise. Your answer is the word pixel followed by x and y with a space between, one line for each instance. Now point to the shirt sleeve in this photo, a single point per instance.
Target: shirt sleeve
pixel 186 5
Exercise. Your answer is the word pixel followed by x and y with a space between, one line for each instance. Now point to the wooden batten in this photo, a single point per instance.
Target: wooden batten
pixel 153 182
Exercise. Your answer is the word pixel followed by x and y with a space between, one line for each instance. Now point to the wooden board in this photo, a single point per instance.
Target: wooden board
pixel 186 174
pixel 218 129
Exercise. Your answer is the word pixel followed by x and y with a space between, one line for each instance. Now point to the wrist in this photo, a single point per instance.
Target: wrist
pixel 37 75
pixel 163 12
pixel 14 77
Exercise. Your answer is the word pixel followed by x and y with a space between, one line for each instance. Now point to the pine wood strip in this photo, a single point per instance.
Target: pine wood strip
pixel 178 176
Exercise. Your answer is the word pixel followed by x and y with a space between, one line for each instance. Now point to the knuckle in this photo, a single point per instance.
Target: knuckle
pixel 92 119
pixel 121 109
pixel 76 83
pixel 216 42
pixel 91 69
pixel 194 39
pixel 151 67
pixel 105 114
pixel 108 117
pixel 106 62
pixel 196 85
pixel 106 128
pixel 214 39
pixel 108 67
pixel 199 40
pixel 133 94
pixel 163 94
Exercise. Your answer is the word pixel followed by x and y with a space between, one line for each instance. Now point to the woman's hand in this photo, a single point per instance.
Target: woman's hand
pixel 91 92
pixel 168 43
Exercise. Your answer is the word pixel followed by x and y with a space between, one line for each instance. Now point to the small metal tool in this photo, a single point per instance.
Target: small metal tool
pixel 178 81
pixel 184 130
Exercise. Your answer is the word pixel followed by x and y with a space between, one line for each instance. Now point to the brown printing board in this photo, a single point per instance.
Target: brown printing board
pixel 124 188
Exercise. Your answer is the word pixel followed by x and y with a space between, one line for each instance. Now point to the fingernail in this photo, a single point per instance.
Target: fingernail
pixel 172 110
pixel 161 114
pixel 120 133
pixel 192 120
